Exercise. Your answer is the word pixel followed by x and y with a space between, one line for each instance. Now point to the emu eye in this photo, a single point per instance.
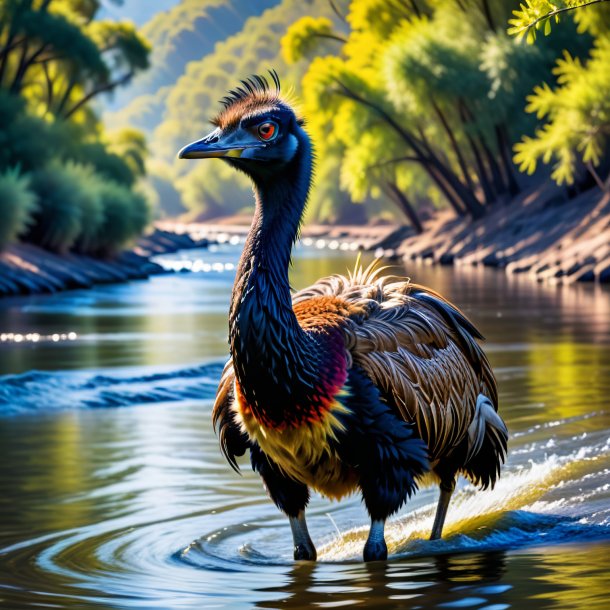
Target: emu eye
pixel 267 131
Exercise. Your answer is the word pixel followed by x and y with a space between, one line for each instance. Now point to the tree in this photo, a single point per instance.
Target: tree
pixel 55 58
pixel 429 91
pixel 54 53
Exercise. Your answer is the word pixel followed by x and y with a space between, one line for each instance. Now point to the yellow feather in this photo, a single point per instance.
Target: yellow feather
pixel 304 453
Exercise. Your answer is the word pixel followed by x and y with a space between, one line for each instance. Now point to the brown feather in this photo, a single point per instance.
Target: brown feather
pixel 418 348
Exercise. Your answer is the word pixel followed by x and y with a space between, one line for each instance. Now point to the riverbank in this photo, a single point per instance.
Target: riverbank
pixel 28 269
pixel 540 233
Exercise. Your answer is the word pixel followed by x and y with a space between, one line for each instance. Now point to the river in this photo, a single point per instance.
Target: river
pixel 114 493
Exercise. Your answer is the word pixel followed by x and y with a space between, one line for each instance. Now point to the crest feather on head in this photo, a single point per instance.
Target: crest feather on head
pixel 254 94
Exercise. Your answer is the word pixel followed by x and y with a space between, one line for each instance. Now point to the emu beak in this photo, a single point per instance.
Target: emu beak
pixel 214 145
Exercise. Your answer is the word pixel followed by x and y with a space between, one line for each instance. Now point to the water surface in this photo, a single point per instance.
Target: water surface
pixel 114 493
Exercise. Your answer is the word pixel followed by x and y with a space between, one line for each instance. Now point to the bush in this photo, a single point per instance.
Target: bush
pixel 91 205
pixel 82 210
pixel 59 220
pixel 17 204
pixel 126 214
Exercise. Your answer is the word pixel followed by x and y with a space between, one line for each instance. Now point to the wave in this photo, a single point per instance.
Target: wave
pixel 37 391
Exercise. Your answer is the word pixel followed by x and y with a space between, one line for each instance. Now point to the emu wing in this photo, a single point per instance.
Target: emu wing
pixel 418 349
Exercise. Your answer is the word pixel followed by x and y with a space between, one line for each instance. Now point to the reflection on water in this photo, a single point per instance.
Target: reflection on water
pixel 133 507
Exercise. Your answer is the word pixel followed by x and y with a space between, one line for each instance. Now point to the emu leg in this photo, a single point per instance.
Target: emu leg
pixel 447 486
pixel 375 548
pixel 290 496
pixel 303 545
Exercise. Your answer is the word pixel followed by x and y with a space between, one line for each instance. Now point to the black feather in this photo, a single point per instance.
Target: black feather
pixel 251 86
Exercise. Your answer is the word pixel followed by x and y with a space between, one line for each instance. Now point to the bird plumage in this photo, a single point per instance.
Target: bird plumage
pixel 359 382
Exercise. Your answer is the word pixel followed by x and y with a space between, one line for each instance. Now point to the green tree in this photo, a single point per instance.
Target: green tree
pixel 57 223
pixel 55 58
pixel 126 214
pixel 59 58
pixel 428 93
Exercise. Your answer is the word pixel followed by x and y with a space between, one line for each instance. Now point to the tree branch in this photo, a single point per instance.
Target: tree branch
pixel 554 13
pixel 336 11
pixel 331 37
pixel 102 89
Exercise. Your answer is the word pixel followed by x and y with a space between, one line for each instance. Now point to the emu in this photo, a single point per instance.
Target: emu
pixel 363 383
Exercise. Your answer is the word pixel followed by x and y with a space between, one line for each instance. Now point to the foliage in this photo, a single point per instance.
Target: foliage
pixel 126 214
pixel 537 15
pixel 576 111
pixel 577 114
pixel 55 58
pixel 305 35
pixel 80 210
pixel 58 221
pixel 130 146
pixel 17 204
pixel 426 98
pixel 392 93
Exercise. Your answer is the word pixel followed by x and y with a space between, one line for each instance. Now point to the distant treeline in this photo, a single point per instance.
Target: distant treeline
pixel 65 183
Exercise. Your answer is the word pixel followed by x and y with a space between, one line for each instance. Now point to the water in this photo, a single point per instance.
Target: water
pixel 114 493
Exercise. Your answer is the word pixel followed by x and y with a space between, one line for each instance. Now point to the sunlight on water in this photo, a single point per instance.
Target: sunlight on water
pixel 37 337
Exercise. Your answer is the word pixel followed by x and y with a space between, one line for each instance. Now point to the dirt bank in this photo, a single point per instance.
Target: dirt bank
pixel 27 269
pixel 541 233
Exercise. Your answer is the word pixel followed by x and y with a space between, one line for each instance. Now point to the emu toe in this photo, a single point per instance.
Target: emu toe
pixel 375 550
pixel 305 552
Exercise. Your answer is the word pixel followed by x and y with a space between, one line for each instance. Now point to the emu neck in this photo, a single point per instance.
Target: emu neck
pixel 275 363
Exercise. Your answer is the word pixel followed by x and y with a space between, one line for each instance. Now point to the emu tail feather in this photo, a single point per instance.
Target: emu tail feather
pixel 487 443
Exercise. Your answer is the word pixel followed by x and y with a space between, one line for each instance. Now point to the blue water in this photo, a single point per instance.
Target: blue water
pixel 114 493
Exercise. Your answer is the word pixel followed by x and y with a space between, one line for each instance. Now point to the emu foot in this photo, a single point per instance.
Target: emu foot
pixel 375 550
pixel 305 552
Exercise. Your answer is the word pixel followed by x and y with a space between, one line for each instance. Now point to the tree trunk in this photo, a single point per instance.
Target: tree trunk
pixel 24 65
pixel 496 175
pixel 484 181
pixel 454 144
pixel 507 163
pixel 466 197
pixel 406 207
pixel 481 170
pixel 488 16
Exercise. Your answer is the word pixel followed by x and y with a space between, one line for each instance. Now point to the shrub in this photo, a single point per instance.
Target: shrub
pixel 59 220
pixel 90 202
pixel 17 204
pixel 126 214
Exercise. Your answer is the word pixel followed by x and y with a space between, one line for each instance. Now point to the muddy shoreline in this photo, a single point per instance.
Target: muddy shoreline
pixel 26 269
